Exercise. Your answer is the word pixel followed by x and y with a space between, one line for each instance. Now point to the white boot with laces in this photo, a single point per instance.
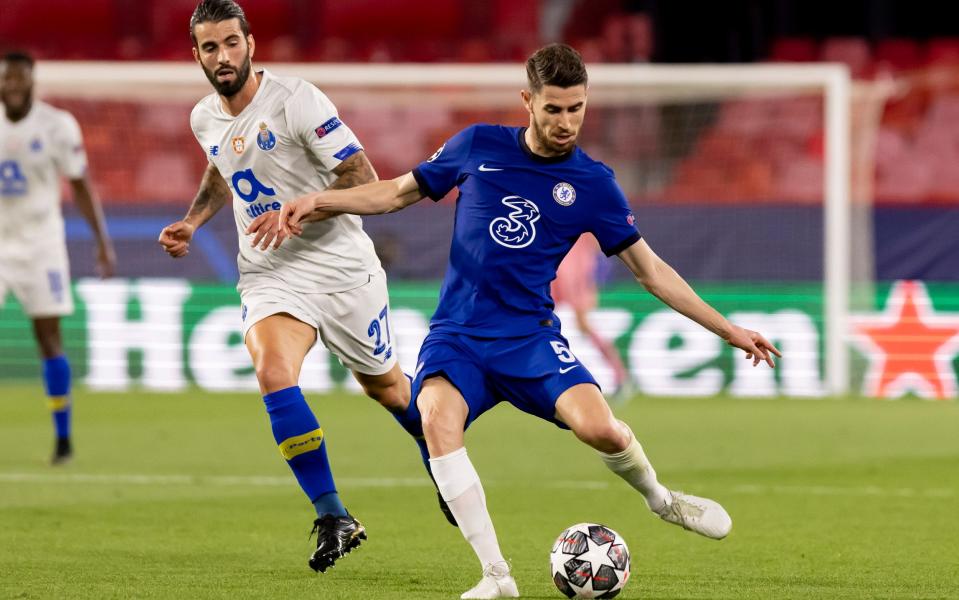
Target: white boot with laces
pixel 701 515
pixel 496 583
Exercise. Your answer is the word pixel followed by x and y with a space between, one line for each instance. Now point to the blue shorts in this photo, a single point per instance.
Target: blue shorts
pixel 528 372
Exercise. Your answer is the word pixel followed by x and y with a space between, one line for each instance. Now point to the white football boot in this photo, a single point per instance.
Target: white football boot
pixel 496 583
pixel 701 515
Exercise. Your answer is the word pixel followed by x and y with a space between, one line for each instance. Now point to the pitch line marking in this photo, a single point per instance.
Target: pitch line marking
pixel 399 482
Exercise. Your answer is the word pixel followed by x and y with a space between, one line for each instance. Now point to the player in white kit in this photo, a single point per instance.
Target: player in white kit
pixel 270 139
pixel 39 145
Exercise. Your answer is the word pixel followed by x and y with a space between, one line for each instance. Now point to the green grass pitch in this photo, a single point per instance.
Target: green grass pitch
pixel 185 496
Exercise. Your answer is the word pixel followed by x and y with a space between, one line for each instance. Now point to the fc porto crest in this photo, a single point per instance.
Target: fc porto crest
pixel 564 193
pixel 239 144
pixel 265 139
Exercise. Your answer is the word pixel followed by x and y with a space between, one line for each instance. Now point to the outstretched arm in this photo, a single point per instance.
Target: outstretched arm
pixel 89 206
pixel 665 283
pixel 354 171
pixel 369 199
pixel 214 193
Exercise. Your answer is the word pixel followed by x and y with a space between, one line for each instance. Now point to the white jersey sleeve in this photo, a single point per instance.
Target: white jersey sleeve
pixel 313 118
pixel 69 156
pixel 196 125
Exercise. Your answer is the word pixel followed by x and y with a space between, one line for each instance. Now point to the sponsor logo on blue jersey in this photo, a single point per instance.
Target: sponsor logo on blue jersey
pixel 265 139
pixel 12 180
pixel 348 151
pixel 515 230
pixel 327 127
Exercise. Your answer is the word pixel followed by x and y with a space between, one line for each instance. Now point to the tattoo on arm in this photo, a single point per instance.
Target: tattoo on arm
pixel 214 193
pixel 355 170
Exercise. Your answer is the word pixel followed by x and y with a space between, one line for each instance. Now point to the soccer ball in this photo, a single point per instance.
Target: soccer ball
pixel 589 561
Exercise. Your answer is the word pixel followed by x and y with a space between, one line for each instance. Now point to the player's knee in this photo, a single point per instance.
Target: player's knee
pixel 274 377
pixel 436 419
pixel 394 398
pixel 391 389
pixel 606 435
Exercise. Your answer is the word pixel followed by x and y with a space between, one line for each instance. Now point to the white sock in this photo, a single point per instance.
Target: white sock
pixel 632 465
pixel 460 486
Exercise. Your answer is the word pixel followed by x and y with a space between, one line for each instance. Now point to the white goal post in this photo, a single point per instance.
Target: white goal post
pixel 185 80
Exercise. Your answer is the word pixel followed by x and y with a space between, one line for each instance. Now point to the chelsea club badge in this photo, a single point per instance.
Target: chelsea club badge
pixel 564 193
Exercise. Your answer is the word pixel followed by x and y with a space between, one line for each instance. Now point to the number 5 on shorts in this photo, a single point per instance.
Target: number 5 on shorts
pixel 562 352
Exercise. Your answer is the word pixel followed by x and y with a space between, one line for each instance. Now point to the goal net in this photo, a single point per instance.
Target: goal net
pixel 738 176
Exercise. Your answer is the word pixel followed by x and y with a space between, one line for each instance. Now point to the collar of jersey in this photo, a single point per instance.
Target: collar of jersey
pixel 541 159
pixel 265 75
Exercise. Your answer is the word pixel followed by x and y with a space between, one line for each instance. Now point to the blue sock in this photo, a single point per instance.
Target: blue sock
pixel 410 419
pixel 329 504
pixel 56 380
pixel 302 444
pixel 412 423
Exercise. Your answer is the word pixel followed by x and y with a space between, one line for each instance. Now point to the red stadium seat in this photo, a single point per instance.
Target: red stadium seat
pixel 50 28
pixel 389 19
pixel 906 180
pixel 943 51
pixel 898 54
pixel 853 52
pixel 801 180
pixel 269 20
pixel 794 50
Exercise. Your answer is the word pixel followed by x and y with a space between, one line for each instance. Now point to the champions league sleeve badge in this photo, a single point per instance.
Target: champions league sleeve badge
pixel 265 139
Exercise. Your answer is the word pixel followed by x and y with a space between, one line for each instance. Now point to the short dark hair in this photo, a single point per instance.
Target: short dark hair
pixel 556 64
pixel 19 56
pixel 214 11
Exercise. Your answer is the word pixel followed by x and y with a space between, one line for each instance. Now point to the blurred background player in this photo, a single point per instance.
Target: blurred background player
pixel 494 336
pixel 270 139
pixel 39 144
pixel 575 286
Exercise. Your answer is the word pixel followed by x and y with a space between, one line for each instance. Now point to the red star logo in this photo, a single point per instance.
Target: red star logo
pixel 910 346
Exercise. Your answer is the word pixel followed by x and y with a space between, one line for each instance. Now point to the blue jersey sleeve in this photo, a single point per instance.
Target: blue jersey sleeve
pixel 442 172
pixel 615 226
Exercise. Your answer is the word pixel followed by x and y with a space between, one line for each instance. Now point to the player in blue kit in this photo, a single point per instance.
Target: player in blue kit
pixel 525 197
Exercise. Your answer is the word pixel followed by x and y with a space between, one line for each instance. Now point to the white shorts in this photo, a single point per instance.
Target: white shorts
pixel 354 324
pixel 41 285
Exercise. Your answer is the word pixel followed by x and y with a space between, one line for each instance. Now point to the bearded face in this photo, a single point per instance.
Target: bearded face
pixel 224 52
pixel 556 116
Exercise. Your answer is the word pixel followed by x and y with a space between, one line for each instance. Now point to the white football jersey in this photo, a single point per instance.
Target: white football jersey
pixel 283 145
pixel 35 152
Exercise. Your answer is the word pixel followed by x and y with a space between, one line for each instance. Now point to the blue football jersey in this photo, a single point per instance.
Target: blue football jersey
pixel 517 215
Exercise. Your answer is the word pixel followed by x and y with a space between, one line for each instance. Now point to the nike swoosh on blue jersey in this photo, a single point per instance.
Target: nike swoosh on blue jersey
pixel 567 369
pixel 484 168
